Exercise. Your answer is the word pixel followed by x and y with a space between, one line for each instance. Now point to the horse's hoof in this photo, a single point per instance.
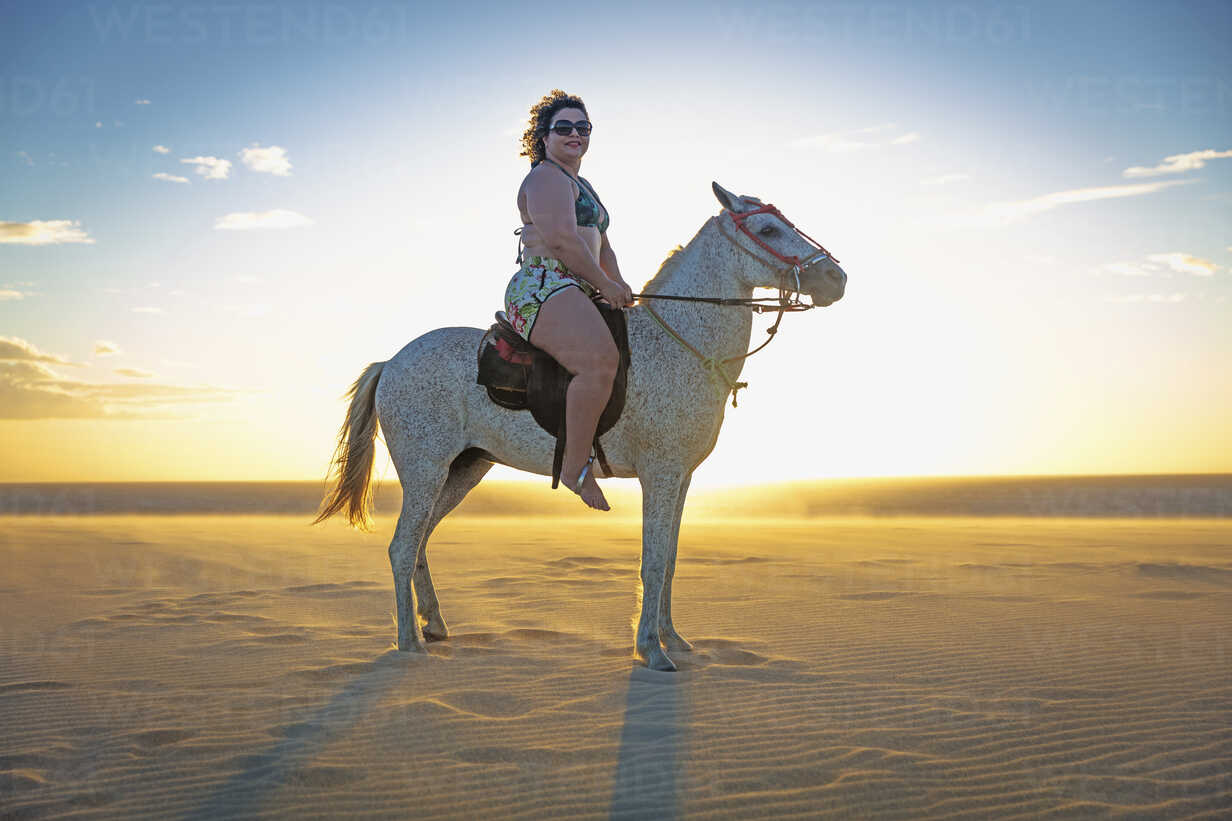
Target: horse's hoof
pixel 677 643
pixel 435 630
pixel 412 647
pixel 656 659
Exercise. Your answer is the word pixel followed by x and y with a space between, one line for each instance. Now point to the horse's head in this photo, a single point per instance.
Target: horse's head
pixel 785 252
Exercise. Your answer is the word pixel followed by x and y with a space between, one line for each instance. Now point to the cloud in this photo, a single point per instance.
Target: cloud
pixel 142 101
pixel 945 178
pixel 103 347
pixel 25 157
pixel 1184 263
pixel 43 232
pixel 14 348
pixel 845 141
pixel 1128 269
pixel 162 149
pixel 271 160
pixel 147 309
pixel 137 372
pixel 7 295
pixel 212 168
pixel 19 399
pixel 169 177
pixel 247 220
pixel 29 390
pixel 1002 213
pixel 1177 163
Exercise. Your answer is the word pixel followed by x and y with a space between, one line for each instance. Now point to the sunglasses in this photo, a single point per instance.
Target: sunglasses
pixel 564 128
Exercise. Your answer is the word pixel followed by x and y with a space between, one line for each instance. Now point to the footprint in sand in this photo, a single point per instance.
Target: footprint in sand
pixel 726 652
pixel 1174 595
pixel 160 738
pixel 323 777
pixel 334 672
pixel 274 638
pixel 876 595
pixel 18 781
pixel 33 687
pixel 335 589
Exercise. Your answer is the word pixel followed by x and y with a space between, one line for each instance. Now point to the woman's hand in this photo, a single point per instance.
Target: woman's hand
pixel 627 290
pixel 616 293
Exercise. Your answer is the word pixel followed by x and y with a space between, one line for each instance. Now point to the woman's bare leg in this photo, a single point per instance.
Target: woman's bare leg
pixel 570 328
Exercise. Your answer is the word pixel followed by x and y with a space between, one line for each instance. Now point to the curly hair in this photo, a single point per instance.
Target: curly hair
pixel 541 114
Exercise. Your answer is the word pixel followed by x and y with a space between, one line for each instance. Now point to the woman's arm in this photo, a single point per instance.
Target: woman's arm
pixel 549 200
pixel 607 260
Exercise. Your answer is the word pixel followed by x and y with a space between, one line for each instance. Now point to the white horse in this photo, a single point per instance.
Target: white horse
pixel 444 433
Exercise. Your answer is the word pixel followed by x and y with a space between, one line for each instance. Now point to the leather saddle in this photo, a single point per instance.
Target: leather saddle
pixel 520 376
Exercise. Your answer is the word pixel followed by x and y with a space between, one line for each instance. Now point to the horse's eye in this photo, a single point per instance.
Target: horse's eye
pixel 768 231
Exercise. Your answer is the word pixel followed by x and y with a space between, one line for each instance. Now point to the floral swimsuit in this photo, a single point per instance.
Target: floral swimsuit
pixel 540 277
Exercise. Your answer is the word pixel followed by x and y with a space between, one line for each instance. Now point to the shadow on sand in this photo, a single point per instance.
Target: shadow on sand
pixel 263 773
pixel 651 746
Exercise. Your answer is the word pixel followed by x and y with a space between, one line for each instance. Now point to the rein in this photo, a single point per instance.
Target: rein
pixel 758 304
pixel 787 301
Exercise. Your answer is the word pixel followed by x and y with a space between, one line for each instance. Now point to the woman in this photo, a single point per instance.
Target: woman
pixel 566 262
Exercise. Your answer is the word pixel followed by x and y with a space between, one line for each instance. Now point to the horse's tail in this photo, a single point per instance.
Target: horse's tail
pixel 353 456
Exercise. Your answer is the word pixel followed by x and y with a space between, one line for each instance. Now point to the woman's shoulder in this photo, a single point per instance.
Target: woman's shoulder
pixel 544 171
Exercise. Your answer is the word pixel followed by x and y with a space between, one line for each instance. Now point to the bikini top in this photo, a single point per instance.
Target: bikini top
pixel 587 207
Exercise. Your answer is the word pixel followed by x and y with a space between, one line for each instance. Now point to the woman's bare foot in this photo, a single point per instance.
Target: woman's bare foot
pixel 590 492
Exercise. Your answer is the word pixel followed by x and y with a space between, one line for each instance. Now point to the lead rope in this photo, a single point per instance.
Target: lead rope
pixel 709 363
pixel 713 365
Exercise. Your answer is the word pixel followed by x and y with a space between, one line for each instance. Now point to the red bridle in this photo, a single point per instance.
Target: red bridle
pixel 794 261
pixel 784 302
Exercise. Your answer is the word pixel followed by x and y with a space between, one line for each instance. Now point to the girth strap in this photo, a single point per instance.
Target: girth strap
pixel 558 456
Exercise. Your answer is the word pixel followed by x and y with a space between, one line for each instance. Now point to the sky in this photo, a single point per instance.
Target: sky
pixel 213 216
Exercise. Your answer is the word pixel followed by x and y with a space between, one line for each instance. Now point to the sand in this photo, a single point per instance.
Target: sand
pixel 243 666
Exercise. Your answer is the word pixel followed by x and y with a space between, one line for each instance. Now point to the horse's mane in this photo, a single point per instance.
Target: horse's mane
pixel 669 264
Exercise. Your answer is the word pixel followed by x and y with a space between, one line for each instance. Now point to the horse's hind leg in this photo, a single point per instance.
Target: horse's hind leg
pixel 467 470
pixel 419 494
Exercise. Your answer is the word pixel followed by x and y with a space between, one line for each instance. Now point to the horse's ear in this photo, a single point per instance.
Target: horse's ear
pixel 726 198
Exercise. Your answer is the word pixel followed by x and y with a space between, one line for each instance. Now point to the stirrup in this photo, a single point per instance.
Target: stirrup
pixel 577 486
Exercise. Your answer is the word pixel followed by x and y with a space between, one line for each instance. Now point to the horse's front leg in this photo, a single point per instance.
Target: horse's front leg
pixel 662 490
pixel 671 639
